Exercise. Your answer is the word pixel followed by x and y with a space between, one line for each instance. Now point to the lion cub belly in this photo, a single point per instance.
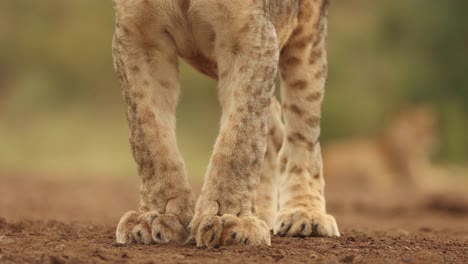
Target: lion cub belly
pixel 194 39
pixel 201 55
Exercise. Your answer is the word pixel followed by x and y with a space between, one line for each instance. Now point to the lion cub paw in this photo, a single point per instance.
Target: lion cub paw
pixel 213 231
pixel 149 227
pixel 305 223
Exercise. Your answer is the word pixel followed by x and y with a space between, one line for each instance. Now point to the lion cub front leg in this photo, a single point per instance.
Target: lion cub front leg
pixel 247 54
pixel 146 63
pixel 303 67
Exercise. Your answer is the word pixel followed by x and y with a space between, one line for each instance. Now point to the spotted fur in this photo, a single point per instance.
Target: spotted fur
pixel 259 164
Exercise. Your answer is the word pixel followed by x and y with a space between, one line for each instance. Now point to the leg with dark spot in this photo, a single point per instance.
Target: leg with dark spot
pixel 302 209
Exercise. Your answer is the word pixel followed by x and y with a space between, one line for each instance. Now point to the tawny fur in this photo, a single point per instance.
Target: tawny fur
pixel 256 158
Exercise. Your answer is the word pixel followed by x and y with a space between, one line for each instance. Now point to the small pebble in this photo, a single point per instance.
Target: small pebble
pixel 425 229
pixel 403 232
pixel 348 259
pixel 6 240
pixel 61 247
pixel 179 256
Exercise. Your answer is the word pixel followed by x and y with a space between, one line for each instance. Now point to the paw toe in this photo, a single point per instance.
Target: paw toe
pixel 124 233
pixel 209 231
pixel 168 227
pixel 141 234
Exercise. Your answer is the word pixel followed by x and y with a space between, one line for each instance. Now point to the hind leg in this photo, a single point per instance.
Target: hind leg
pixel 146 64
pixel 303 68
pixel 267 197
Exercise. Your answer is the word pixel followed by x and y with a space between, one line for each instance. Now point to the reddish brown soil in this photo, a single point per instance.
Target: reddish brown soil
pixel 50 222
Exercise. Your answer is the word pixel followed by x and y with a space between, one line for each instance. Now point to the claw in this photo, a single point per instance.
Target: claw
pixel 315 230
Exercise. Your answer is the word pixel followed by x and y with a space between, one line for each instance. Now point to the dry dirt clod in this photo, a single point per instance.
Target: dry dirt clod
pixel 403 232
pixel 332 261
pixel 60 247
pixel 55 260
pixel 425 229
pixel 348 259
pixel 179 256
pixel 5 240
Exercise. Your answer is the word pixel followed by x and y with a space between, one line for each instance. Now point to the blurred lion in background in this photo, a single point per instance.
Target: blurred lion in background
pixel 397 157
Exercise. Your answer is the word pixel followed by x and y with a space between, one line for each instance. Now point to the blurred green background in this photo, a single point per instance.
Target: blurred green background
pixel 61 111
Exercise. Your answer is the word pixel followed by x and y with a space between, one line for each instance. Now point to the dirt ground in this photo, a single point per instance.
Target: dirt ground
pixel 73 222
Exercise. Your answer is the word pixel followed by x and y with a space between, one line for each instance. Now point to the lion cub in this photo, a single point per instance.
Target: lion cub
pixel 398 157
pixel 264 173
